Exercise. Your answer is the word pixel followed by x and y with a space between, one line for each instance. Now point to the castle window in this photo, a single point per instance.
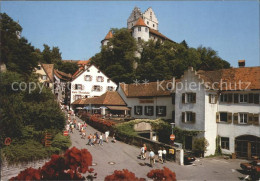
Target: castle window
pixel 148 22
pixel 153 25
pixel 146 29
pixel 139 28
pixel 150 17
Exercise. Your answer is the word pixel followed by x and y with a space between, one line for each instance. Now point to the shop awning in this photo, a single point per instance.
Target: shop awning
pixel 118 108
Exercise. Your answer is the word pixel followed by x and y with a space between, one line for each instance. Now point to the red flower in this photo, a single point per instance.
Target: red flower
pixel 28 174
pixel 164 174
pixel 123 175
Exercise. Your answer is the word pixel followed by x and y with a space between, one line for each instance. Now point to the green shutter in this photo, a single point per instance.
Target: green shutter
pixel 235 118
pixel 250 118
pixel 217 117
pixel 256 119
pixel 183 117
pixel 229 116
pixel 193 117
pixel 236 96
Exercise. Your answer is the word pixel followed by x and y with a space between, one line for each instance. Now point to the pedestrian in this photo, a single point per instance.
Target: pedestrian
pixel 145 150
pixel 142 153
pixel 97 138
pixel 72 127
pixel 85 126
pixel 151 156
pixel 164 155
pixel 160 152
pixel 67 127
pixel 114 138
pixel 106 135
pixel 101 139
pixel 90 139
pixel 79 124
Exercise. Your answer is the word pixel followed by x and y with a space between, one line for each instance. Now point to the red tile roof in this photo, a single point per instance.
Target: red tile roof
pixel 81 69
pixel 152 89
pixel 49 69
pixel 62 75
pixel 157 33
pixel 83 62
pixel 140 22
pixel 108 98
pixel 109 35
pixel 231 78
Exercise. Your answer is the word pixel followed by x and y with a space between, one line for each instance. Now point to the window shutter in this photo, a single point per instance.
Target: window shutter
pixel 229 117
pixel 230 98
pixel 210 98
pixel 235 118
pixel 250 118
pixel 256 119
pixel 173 98
pixel 235 98
pixel 82 87
pixel 193 117
pixel 183 98
pixel 194 97
pixel 76 86
pixel 250 98
pixel 256 98
pixel 217 117
pixel 183 117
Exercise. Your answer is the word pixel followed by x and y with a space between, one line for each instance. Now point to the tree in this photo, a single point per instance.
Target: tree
pixel 16 53
pixel 200 146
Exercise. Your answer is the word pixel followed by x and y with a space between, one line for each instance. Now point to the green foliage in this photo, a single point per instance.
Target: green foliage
pixel 218 150
pixel 16 53
pixel 200 146
pixel 61 142
pixel 67 67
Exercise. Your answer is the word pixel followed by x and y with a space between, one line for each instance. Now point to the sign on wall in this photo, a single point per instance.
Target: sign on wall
pixel 143 101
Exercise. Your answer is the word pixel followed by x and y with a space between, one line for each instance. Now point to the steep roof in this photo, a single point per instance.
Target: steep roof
pixel 157 33
pixel 232 78
pixel 140 22
pixel 109 35
pixel 151 89
pixel 108 98
pixel 62 75
pixel 49 69
pixel 78 72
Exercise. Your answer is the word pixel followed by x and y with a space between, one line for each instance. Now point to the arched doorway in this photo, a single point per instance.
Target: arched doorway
pixel 247 146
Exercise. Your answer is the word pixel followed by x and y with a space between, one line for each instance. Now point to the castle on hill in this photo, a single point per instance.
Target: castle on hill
pixel 143 26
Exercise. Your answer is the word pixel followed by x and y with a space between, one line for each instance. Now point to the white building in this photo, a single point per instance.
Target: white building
pixel 213 102
pixel 149 101
pixel 142 26
pixel 89 81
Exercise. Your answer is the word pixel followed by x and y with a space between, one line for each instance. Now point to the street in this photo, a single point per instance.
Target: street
pixel 124 156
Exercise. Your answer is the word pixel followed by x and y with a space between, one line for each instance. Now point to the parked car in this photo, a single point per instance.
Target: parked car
pixel 248 166
pixel 188 158
pixel 255 171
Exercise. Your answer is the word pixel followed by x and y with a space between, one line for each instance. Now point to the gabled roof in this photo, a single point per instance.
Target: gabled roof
pixel 151 89
pixel 108 98
pixel 78 72
pixel 109 35
pixel 49 70
pixel 140 22
pixel 62 75
pixel 232 78
pixel 157 33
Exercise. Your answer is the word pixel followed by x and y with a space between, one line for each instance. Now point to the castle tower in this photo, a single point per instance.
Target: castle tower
pixel 150 19
pixel 134 16
pixel 107 38
pixel 140 30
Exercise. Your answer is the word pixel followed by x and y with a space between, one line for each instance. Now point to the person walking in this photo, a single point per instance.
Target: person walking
pixel 151 156
pixel 97 138
pixel 101 139
pixel 90 139
pixel 142 153
pixel 160 152
pixel 145 150
pixel 114 138
pixel 164 155
pixel 106 135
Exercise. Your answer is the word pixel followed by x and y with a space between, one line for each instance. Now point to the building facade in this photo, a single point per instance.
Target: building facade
pixel 90 82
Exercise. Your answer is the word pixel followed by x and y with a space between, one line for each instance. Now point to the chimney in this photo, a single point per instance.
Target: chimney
pixel 241 63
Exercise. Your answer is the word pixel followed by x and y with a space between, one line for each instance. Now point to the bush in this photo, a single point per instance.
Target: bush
pixel 200 146
pixel 164 174
pixel 61 142
pixel 123 176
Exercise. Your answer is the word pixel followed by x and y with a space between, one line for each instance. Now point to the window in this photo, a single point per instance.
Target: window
pixel 39 67
pixel 98 71
pixel 173 98
pixel 139 28
pixel 243 98
pixel 223 98
pixel 148 110
pixel 96 88
pixel 77 97
pixel 88 78
pixel 188 117
pixel 100 79
pixel 147 22
pixel 243 118
pixel 138 110
pixel 153 25
pixel 139 39
pixel 44 77
pixel 151 18
pixel 224 116
pixel 108 80
pixel 189 98
pixel 110 88
pixel 212 98
pixel 146 29
pixel 78 87
pixel 225 143
pixel 88 70
pixel 161 110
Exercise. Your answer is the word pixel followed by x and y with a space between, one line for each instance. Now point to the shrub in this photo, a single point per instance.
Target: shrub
pixel 200 146
pixel 61 142
pixel 123 175
pixel 164 174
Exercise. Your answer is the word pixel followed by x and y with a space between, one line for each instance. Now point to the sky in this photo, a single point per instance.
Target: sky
pixel 77 27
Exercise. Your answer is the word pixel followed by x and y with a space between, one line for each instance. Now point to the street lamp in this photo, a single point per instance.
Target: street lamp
pixel 173 125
